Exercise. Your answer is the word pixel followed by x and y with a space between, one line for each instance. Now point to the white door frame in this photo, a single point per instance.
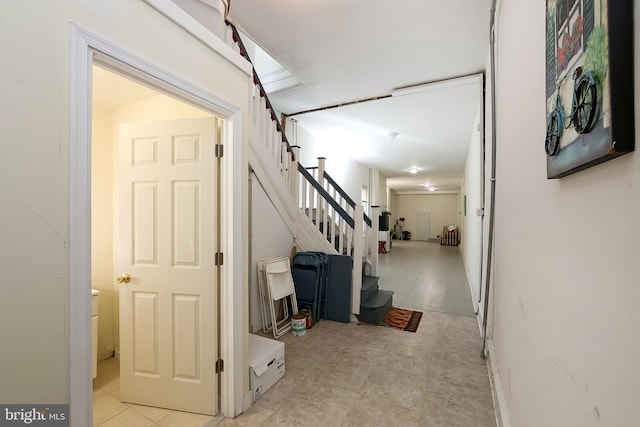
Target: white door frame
pixel 86 48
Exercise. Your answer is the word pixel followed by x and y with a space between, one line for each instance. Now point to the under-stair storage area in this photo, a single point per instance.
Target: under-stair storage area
pixel 315 281
pixel 303 208
pixel 277 295
pixel 323 285
pixel 320 283
pixel 310 279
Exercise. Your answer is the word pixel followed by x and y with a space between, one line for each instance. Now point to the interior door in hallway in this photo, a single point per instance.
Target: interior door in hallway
pixel 167 240
pixel 423 225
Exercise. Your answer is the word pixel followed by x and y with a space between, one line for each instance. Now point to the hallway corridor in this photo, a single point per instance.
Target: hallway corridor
pixel 361 375
pixel 426 276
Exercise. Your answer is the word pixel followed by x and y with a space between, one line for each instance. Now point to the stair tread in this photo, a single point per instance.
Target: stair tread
pixel 368 282
pixel 377 299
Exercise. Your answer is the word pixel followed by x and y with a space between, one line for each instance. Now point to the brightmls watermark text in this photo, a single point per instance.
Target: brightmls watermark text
pixel 34 415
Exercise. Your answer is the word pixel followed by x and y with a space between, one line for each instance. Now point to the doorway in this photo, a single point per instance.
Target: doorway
pixel 423 226
pixel 154 210
pixel 89 49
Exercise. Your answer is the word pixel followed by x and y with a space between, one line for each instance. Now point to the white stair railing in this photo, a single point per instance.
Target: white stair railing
pixel 330 220
pixel 337 219
pixel 264 118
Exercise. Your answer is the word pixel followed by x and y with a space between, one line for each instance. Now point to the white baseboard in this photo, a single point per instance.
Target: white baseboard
pixel 499 400
pixel 476 304
pixel 480 326
pixel 248 401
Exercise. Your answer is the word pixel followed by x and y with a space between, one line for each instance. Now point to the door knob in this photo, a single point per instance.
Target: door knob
pixel 125 278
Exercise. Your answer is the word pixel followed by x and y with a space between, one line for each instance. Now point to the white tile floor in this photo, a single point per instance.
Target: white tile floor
pixel 108 411
pixel 361 375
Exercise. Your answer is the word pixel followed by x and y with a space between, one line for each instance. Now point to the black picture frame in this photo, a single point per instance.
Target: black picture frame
pixel 594 37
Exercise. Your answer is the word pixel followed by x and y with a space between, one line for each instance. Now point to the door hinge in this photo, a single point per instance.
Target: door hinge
pixel 219 150
pixel 219 258
pixel 219 366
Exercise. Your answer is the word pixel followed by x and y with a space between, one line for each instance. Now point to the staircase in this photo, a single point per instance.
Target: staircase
pixel 333 219
pixel 374 302
pixel 319 213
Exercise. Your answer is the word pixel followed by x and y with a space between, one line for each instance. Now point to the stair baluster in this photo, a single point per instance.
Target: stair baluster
pixel 337 218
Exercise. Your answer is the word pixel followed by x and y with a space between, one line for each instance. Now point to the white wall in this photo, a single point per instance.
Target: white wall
pixel 349 174
pixel 34 168
pixel 381 184
pixel 269 237
pixel 392 203
pixel 565 321
pixel 443 209
pixel 471 227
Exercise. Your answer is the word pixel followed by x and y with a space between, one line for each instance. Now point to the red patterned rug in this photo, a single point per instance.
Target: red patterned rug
pixel 402 318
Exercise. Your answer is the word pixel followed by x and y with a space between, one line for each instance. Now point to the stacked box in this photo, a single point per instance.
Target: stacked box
pixel 266 362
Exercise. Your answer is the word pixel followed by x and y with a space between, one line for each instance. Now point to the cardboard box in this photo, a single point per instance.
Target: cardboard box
pixel 266 363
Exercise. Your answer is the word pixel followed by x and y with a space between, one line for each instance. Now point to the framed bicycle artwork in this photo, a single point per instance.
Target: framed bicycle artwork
pixel 589 83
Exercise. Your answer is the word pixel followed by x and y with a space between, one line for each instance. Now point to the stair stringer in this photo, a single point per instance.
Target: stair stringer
pixel 277 171
pixel 306 235
pixel 308 238
pixel 271 179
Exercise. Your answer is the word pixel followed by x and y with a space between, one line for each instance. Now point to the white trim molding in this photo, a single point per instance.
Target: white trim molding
pixel 191 25
pixel 87 48
pixel 220 5
pixel 79 246
pixel 233 241
pixel 499 401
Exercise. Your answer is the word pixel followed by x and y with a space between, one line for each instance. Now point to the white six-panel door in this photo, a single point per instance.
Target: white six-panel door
pixel 167 225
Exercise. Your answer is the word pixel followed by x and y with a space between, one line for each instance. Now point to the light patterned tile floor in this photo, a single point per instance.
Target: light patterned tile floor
pixel 426 276
pixel 108 411
pixel 361 375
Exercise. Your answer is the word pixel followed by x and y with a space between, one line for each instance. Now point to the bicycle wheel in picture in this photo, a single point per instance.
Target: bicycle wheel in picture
pixel 581 128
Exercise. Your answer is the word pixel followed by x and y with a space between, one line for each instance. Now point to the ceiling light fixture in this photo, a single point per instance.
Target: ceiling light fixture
pixel 413 170
pixel 432 189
